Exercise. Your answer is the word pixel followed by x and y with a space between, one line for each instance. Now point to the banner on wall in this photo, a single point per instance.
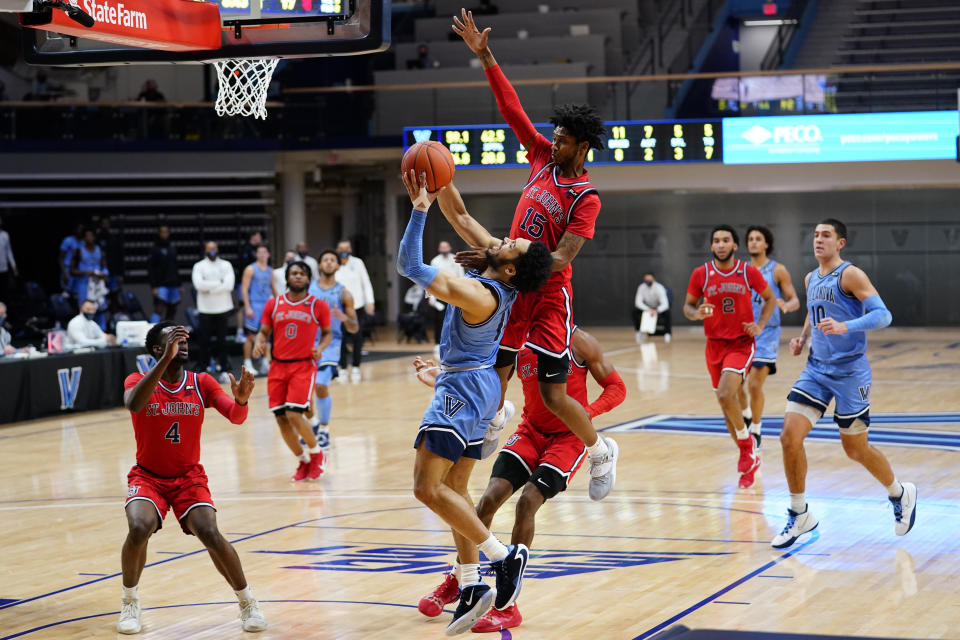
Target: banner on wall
pixel 854 137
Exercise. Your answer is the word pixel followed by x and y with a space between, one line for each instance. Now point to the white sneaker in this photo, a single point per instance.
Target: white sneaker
pixel 129 621
pixel 491 439
pixel 603 471
pixel 666 338
pixel 251 617
pixel 797 525
pixel 224 378
pixel 355 375
pixel 264 367
pixel 905 509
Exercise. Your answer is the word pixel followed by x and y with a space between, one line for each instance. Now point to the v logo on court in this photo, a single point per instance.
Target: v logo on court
pixel 452 406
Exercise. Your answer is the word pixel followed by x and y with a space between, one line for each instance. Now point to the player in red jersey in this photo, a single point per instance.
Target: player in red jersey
pixel 293 319
pixel 559 207
pixel 725 286
pixel 167 407
pixel 542 456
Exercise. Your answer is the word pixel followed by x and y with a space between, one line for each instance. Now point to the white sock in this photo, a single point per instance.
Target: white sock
pixel 493 549
pixel 455 570
pixel 756 426
pixel 743 433
pixel 895 489
pixel 499 419
pixel 798 502
pixel 244 595
pixel 747 416
pixel 469 574
pixel 304 455
pixel 315 450
pixel 315 421
pixel 131 593
pixel 598 449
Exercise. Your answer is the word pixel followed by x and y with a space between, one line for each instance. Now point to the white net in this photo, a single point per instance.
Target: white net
pixel 243 86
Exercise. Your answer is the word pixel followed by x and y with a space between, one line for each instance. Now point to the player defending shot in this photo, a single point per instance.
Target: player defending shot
pixel 167 408
pixel 842 305
pixel 293 319
pixel 760 246
pixel 342 316
pixel 559 207
pixel 724 285
pixel 542 457
pixel 466 397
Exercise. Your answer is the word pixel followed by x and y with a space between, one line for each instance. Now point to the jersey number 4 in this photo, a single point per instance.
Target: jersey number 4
pixel 173 433
pixel 533 223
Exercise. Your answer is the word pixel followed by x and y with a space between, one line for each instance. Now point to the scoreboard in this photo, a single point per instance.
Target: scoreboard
pixel 626 142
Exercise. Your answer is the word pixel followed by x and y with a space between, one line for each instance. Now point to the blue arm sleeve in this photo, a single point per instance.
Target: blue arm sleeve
pixel 410 257
pixel 876 317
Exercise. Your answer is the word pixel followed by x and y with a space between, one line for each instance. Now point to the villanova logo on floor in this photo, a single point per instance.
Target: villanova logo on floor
pixel 925 430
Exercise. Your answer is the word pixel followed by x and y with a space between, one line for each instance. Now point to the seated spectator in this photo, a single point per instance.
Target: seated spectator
pixel 83 330
pixel 423 59
pixel 652 298
pixel 5 338
pixel 150 93
pixel 88 267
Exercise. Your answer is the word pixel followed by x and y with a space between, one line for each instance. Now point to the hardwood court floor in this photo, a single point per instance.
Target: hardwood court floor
pixel 350 555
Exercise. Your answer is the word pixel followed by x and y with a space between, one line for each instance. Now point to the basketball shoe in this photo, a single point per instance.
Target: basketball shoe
pixel 495 620
pixel 797 525
pixel 251 617
pixel 129 621
pixel 323 437
pixel 448 592
pixel 603 471
pixel 475 600
pixel 301 473
pixel 509 573
pixel 316 466
pixel 748 454
pixel 746 479
pixel 905 509
pixel 491 439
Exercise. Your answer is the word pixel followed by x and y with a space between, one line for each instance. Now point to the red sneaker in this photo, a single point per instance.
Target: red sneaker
pixel 431 605
pixel 496 620
pixel 301 473
pixel 746 479
pixel 318 463
pixel 748 454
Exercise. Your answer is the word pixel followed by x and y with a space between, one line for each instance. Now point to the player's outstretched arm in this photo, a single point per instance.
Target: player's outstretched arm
pixel 587 349
pixel 455 211
pixel 877 316
pixel 233 409
pixel 137 397
pixel 790 301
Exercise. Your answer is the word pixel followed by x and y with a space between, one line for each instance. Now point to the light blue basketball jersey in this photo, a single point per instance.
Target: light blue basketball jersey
pixel 260 286
pixel 826 299
pixel 476 345
pixel 768 342
pixel 331 355
pixel 767 272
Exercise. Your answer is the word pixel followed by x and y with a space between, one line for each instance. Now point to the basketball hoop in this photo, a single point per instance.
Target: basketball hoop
pixel 243 86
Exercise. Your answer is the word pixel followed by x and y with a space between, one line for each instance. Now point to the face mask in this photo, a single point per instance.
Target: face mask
pixel 89 316
pixel 290 261
pixel 302 254
pixel 445 254
pixel 211 254
pixel 649 282
pixel 343 255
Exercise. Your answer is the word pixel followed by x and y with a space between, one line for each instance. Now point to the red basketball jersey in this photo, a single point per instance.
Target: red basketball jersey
pixel 534 411
pixel 295 325
pixel 551 205
pixel 730 294
pixel 168 428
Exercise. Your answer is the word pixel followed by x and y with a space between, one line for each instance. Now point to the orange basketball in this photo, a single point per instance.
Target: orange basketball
pixel 434 159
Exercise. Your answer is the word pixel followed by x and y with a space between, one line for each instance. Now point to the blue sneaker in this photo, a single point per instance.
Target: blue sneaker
pixel 509 572
pixel 475 601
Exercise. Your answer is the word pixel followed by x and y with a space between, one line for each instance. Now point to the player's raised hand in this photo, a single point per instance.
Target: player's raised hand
pixel 417 190
pixel 473 258
pixel 171 342
pixel 751 328
pixel 243 388
pixel 830 327
pixel 466 28
pixel 796 345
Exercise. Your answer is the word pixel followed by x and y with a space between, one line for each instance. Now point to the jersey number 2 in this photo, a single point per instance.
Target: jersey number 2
pixel 727 304
pixel 173 433
pixel 533 223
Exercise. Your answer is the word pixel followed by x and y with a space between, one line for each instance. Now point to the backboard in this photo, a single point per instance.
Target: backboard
pixel 248 29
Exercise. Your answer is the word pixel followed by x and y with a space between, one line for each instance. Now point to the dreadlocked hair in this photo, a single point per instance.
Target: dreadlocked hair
pixel 581 121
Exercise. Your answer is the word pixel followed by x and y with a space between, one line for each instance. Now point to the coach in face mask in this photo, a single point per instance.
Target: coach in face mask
pixel 352 274
pixel 83 330
pixel 214 280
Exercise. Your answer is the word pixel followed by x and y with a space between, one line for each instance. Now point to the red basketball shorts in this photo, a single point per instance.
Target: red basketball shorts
pixel 182 493
pixel 729 355
pixel 561 452
pixel 543 320
pixel 290 384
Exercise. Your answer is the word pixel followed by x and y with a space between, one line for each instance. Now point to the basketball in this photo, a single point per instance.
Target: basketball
pixel 434 159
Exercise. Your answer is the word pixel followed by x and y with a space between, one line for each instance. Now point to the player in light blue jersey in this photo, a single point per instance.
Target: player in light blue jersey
pixel 760 246
pixel 256 287
pixel 467 392
pixel 342 317
pixel 842 305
